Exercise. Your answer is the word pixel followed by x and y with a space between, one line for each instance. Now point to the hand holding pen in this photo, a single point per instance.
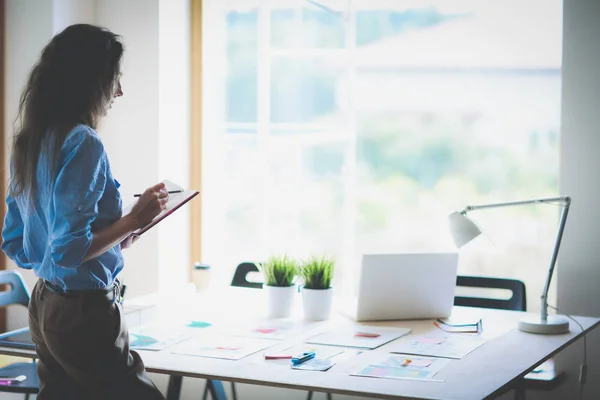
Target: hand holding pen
pixel 151 203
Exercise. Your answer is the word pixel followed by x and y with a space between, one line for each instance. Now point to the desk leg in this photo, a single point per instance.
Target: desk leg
pixel 174 388
pixel 520 393
pixel 216 390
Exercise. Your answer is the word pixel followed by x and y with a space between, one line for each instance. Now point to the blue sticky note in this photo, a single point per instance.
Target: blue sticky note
pixel 199 324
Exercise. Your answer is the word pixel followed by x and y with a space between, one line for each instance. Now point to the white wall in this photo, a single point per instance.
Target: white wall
pixel 578 272
pixel 68 12
pixel 174 139
pixel 130 132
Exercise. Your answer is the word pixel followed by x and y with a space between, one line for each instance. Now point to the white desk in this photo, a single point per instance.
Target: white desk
pixel 488 371
pixel 492 369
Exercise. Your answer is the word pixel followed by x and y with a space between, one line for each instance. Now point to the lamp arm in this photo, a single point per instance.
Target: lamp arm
pixel 561 229
pixel 564 201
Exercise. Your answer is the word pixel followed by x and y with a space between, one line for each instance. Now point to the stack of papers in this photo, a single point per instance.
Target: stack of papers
pixel 460 326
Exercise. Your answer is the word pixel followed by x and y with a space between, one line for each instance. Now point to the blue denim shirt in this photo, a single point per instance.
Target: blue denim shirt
pixel 52 235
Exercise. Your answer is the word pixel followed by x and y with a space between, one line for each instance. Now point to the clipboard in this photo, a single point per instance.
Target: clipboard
pixel 175 202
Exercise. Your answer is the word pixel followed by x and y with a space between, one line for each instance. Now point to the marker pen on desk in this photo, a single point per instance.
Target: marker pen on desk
pixel 10 380
pixel 170 192
pixel 303 357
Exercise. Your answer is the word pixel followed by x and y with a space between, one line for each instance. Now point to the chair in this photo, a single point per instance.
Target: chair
pixel 240 277
pixel 17 293
pixel 517 302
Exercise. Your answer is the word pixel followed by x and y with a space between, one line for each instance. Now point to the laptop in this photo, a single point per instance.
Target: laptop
pixel 406 286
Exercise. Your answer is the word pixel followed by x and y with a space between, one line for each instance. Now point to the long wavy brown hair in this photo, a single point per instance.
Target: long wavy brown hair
pixel 72 83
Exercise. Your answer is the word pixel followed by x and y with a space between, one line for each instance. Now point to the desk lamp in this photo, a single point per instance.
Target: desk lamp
pixel 463 230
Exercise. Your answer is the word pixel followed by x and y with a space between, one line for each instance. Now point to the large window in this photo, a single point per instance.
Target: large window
pixel 356 126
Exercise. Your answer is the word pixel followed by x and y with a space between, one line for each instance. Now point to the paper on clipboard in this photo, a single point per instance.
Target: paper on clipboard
pixel 176 200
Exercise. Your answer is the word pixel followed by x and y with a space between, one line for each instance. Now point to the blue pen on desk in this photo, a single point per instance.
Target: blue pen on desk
pixel 299 359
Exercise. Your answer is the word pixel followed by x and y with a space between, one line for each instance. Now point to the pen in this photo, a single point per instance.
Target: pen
pixel 277 357
pixel 9 380
pixel 170 192
pixel 303 357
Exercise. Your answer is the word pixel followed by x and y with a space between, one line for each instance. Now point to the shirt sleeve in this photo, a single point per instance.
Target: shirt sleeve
pixel 79 185
pixel 12 234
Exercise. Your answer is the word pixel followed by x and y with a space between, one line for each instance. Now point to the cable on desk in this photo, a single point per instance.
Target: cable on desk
pixel 583 366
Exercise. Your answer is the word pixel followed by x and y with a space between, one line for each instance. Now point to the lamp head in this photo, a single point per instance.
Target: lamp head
pixel 462 228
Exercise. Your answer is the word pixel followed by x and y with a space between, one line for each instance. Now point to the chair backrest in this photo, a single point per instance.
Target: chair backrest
pixel 240 277
pixel 517 302
pixel 17 292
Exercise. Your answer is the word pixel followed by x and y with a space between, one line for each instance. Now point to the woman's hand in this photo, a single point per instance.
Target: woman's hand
pixel 128 241
pixel 151 203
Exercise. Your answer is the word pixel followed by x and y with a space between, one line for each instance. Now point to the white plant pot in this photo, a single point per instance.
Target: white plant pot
pixel 317 303
pixel 280 300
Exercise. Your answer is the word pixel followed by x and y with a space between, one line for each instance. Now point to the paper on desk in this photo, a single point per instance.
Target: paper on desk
pixel 435 344
pixel 156 337
pixel 360 336
pixel 267 328
pixel 404 367
pixel 221 346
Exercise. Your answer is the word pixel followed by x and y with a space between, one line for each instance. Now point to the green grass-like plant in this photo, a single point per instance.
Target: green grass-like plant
pixel 317 273
pixel 280 271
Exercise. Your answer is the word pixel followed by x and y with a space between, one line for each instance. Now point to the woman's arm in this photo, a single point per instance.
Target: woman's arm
pixel 79 186
pixel 109 237
pixel 149 205
pixel 12 235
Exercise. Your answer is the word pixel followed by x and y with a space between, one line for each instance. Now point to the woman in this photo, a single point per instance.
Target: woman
pixel 64 221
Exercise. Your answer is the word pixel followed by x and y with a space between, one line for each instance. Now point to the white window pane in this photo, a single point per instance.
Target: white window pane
pixel 373 120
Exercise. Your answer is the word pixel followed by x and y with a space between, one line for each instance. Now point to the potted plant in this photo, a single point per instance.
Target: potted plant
pixel 317 292
pixel 279 274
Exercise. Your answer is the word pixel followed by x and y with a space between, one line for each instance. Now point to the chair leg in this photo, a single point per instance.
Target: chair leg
pixel 174 387
pixel 520 393
pixel 205 395
pixel 233 392
pixel 217 392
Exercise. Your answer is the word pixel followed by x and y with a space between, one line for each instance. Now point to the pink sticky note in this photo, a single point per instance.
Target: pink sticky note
pixel 431 340
pixel 265 330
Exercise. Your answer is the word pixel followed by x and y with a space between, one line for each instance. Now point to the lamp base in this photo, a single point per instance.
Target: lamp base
pixel 553 326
